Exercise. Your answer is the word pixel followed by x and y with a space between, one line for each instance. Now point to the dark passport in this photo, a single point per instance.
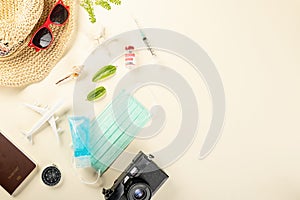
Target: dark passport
pixel 15 166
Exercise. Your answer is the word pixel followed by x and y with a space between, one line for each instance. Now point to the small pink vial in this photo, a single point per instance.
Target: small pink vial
pixel 130 57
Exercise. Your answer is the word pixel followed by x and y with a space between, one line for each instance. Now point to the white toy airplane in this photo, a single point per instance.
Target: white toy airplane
pixel 47 116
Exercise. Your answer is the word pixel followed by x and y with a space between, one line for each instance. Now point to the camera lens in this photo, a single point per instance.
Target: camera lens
pixel 139 193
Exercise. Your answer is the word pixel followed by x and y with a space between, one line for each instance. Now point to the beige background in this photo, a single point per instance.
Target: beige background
pixel 255 46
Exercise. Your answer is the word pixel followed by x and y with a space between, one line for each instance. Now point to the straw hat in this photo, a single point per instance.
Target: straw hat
pixel 21 65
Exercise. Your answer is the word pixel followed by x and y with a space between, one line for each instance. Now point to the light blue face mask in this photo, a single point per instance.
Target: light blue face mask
pixel 114 129
pixel 80 130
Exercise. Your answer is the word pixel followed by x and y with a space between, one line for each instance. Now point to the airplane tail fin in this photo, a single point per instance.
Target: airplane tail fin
pixel 59 130
pixel 28 137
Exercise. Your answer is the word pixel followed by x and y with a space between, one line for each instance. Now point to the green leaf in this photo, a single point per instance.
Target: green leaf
pixel 96 94
pixel 103 3
pixel 88 5
pixel 117 2
pixel 104 73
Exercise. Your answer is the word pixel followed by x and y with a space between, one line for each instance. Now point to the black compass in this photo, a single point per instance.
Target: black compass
pixel 51 175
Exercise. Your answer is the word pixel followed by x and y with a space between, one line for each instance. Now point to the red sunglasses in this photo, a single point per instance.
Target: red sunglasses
pixel 43 37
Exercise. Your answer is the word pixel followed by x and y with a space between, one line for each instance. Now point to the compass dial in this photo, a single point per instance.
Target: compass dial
pixel 51 176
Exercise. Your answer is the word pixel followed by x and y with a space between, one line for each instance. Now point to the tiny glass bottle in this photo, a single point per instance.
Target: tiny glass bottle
pixel 130 61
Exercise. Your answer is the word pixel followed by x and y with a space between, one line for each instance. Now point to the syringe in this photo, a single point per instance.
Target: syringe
pixel 145 39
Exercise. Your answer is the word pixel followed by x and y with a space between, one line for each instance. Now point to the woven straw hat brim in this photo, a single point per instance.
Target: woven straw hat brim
pixel 27 66
pixel 17 19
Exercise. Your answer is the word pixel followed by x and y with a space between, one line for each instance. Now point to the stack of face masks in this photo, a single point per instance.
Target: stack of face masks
pixel 114 129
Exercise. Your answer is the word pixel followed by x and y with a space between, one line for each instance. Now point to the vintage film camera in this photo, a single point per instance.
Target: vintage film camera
pixel 140 180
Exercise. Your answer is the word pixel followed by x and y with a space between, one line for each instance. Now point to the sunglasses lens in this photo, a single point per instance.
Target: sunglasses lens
pixel 59 14
pixel 42 38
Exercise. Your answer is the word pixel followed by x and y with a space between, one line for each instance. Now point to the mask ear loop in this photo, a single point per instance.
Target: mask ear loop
pixel 82 180
pixel 157 113
pixel 91 183
pixel 154 101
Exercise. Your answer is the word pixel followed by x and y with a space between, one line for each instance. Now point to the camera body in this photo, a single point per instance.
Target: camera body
pixel 140 180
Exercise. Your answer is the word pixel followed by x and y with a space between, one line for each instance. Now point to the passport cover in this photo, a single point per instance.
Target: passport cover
pixel 15 166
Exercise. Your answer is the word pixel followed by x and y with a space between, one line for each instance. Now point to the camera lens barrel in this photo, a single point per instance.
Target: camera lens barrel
pixel 139 191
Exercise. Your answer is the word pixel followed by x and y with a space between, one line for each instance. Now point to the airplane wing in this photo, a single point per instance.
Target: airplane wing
pixel 36 108
pixel 46 116
pixel 55 130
